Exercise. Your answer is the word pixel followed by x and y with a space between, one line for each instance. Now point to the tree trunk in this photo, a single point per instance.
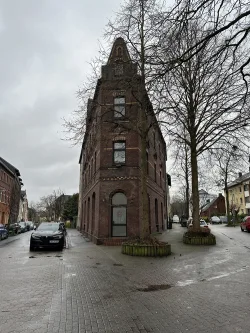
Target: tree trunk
pixel 195 189
pixel 227 203
pixel 187 182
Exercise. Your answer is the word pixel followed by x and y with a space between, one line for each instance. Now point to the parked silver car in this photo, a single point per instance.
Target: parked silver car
pixel 215 220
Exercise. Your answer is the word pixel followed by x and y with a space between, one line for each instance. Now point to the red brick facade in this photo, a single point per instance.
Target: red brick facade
pixel 101 175
pixel 215 207
pixel 10 191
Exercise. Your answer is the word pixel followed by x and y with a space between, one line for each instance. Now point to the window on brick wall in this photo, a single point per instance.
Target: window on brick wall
pixel 119 152
pixel 119 107
pixel 119 215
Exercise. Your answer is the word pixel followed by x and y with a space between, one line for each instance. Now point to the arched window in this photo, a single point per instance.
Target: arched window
pixel 119 215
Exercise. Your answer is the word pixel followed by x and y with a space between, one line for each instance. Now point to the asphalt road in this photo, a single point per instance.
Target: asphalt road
pixel 88 288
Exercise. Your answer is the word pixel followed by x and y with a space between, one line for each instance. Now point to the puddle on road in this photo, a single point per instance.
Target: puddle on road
pixel 155 287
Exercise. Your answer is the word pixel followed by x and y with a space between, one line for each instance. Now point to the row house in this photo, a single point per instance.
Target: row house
pixel 113 150
pixel 10 192
pixel 239 193
pixel 216 206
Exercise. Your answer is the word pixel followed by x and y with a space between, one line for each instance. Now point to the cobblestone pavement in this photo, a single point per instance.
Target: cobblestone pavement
pixel 89 288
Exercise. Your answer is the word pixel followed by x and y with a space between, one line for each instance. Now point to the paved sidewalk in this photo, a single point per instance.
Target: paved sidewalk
pixel 95 289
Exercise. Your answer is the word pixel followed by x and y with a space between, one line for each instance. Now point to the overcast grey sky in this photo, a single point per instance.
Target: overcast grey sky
pixel 45 49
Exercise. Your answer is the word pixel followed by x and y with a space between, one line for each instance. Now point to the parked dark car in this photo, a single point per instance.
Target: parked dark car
pixel 15 228
pixel 245 224
pixel 47 235
pixel 184 221
pixel 23 226
pixel 30 225
pixel 3 232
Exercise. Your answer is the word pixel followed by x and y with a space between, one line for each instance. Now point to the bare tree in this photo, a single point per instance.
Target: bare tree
pixel 228 157
pixel 228 20
pixel 203 96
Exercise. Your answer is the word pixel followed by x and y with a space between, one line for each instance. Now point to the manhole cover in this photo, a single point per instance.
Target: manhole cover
pixel 155 287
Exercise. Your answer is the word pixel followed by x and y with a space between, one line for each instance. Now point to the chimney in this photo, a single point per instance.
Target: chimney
pixel 220 194
pixel 240 174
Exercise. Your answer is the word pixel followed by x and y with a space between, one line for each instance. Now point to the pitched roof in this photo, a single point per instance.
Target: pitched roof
pixel 239 180
pixel 209 204
pixel 9 166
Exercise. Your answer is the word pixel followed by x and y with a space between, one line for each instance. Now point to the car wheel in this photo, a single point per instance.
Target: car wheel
pixel 248 230
pixel 241 229
pixel 32 247
pixel 0 237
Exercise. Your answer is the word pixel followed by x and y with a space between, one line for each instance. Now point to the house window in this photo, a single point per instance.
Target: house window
pixel 119 215
pixel 246 187
pixel 240 188
pixel 241 200
pixel 119 107
pixel 119 152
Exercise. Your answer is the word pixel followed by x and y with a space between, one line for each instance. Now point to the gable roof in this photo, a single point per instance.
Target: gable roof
pixel 9 166
pixel 239 180
pixel 209 204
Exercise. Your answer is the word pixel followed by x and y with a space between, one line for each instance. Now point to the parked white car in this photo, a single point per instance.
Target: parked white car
pixel 215 220
pixel 203 224
pixel 176 219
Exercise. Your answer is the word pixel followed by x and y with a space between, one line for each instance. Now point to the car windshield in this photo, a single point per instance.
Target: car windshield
pixel 202 222
pixel 22 223
pixel 48 227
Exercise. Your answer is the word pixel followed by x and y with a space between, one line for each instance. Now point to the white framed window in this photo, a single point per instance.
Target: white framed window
pixel 119 152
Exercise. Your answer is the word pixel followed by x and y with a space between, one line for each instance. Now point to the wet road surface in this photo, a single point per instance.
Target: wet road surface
pixel 86 288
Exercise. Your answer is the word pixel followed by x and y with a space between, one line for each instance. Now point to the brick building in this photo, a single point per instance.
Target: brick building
pixel 111 160
pixel 10 192
pixel 214 207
